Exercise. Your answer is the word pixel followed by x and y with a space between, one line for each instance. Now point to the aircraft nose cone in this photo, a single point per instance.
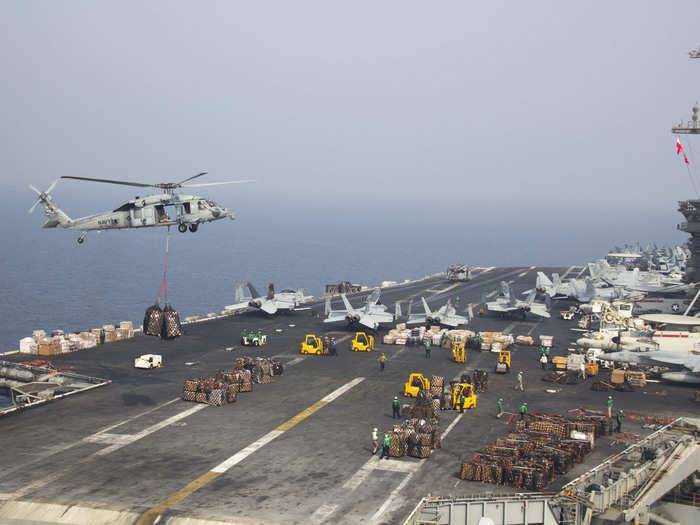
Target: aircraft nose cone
pixel 216 213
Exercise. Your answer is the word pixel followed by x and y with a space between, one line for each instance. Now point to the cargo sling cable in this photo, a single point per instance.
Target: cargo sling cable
pixel 164 284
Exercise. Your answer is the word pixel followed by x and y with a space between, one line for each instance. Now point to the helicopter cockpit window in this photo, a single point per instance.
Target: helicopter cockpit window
pixel 212 204
pixel 202 205
pixel 126 207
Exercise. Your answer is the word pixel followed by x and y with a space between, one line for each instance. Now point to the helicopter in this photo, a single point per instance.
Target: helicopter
pixel 141 212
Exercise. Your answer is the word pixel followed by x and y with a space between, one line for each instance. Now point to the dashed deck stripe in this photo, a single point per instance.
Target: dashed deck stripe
pixel 151 515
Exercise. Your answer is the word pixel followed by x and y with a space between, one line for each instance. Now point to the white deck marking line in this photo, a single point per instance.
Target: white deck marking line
pixel 522 273
pixel 358 477
pixel 247 451
pixel 529 332
pixel 397 466
pixel 322 513
pixel 491 294
pixel 397 491
pixel 508 329
pixel 295 361
pixel 446 289
pixel 92 438
pixel 567 271
pixel 128 439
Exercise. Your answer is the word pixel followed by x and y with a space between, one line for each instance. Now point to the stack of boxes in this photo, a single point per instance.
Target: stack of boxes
pixel 59 343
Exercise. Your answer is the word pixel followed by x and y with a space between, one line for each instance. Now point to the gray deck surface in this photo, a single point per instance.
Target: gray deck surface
pixel 49 456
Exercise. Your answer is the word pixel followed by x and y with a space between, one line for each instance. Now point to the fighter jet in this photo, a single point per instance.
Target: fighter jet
pixel 509 304
pixel 554 288
pixel 688 363
pixel 285 300
pixel 585 293
pixel 445 315
pixel 371 315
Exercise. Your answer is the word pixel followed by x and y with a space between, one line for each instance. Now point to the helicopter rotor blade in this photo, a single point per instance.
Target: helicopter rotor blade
pixel 216 183
pixel 31 210
pixel 138 184
pixel 34 190
pixel 193 177
pixel 53 185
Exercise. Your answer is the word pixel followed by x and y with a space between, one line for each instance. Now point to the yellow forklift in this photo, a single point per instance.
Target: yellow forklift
pixel 312 344
pixel 415 383
pixel 503 364
pixel 459 355
pixel 469 395
pixel 362 342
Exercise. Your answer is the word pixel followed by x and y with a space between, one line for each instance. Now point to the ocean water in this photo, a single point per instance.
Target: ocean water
pixel 50 282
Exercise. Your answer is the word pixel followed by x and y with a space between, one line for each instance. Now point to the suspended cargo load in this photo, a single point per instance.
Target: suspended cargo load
pixel 171 323
pixel 152 322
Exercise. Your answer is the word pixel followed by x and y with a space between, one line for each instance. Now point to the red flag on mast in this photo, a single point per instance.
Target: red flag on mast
pixel 679 147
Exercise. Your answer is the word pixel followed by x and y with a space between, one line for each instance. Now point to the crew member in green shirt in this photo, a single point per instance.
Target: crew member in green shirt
pixel 523 411
pixel 385 445
pixel 500 408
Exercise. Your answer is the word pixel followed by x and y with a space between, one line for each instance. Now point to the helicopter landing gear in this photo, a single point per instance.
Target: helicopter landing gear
pixel 193 227
pixel 81 239
pixel 182 228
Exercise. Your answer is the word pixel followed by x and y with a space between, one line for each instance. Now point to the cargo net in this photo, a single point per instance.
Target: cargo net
pixel 164 322
pixel 415 438
pixel 541 447
pixel 225 386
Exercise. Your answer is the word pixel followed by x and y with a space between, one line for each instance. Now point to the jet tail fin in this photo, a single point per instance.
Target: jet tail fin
pixel 253 292
pixel 271 291
pixel 328 309
pixel 347 304
pixel 397 312
pixel 238 296
pixel 425 306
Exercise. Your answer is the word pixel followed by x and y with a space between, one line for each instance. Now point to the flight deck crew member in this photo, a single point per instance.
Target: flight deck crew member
pixel 543 361
pixel 619 421
pixel 610 406
pixel 334 350
pixel 375 441
pixel 427 349
pixel 520 382
pixel 396 408
pixel 382 361
pixel 385 445
pixel 462 400
pixel 582 371
pixel 500 408
pixel 523 411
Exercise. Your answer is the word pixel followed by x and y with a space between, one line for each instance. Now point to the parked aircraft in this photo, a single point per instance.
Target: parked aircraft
pixel 272 302
pixel 507 303
pixel 445 315
pixel 371 315
pixel 687 362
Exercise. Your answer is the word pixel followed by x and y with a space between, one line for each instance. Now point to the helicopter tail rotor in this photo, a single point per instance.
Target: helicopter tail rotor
pixel 44 196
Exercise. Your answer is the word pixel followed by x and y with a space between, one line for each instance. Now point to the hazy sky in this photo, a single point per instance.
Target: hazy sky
pixel 514 110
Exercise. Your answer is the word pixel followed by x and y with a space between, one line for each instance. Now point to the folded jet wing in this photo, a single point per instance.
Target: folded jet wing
pixel 269 303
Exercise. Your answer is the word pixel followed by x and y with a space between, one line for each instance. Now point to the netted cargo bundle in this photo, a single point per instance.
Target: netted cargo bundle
pixel 201 397
pixel 171 323
pixel 265 379
pixel 277 368
pixel 191 385
pixel 436 405
pixel 216 397
pixel 437 438
pixel 467 471
pixel 425 439
pixel 438 381
pixel 435 391
pixel 153 321
pixel 481 380
pixel 189 395
pixel 447 401
pixel 419 451
pixel 231 393
pixel 397 446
